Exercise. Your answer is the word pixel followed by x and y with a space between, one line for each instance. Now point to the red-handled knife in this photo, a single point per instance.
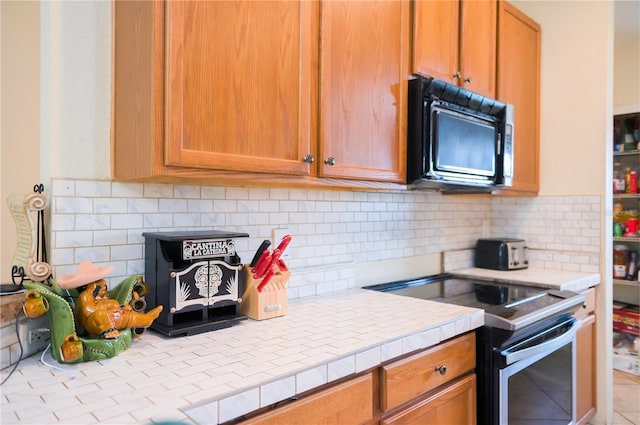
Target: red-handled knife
pixel 284 243
pixel 266 279
pixel 262 264
pixel 275 258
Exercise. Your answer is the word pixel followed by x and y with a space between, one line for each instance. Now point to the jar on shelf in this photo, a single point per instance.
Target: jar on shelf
pixel 632 268
pixel 618 213
pixel 619 261
pixel 631 227
pixel 633 181
pixel 619 184
pixel 618 229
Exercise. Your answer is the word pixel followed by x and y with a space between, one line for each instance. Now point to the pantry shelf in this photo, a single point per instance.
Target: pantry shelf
pixel 625 239
pixel 626 282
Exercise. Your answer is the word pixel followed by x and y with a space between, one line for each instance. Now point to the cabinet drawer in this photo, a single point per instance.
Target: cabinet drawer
pixel 455 404
pixel 589 304
pixel 350 402
pixel 406 379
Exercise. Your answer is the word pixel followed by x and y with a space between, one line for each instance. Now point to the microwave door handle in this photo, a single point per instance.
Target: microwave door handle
pixel 498 144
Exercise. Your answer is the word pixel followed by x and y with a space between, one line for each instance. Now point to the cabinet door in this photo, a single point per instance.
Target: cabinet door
pixel 435 39
pixel 478 28
pixel 238 85
pixel 585 370
pixel 455 404
pixel 348 403
pixel 364 59
pixel 519 84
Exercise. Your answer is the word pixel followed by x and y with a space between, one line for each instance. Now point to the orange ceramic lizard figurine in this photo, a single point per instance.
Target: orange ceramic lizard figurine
pixel 100 315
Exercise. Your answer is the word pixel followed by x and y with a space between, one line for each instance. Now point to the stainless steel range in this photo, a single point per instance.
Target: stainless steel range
pixel 525 352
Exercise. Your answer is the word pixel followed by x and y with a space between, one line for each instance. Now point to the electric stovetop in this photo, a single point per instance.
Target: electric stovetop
pixel 508 307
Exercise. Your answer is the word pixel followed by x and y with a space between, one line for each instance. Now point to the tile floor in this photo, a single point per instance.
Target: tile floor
pixel 626 394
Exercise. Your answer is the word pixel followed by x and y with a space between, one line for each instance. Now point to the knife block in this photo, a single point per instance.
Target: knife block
pixel 271 302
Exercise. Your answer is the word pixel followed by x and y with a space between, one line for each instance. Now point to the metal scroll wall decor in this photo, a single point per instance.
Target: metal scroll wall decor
pixel 30 258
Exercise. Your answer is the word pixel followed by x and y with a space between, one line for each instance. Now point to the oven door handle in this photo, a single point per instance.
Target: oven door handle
pixel 547 346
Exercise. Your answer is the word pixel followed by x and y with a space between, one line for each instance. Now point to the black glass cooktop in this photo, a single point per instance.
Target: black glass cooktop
pixel 506 306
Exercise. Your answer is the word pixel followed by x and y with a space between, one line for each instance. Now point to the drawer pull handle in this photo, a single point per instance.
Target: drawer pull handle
pixel 442 369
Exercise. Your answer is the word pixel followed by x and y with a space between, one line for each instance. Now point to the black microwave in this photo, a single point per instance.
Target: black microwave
pixel 457 140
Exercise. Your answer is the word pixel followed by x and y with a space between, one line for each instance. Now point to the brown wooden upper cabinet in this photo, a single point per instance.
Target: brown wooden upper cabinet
pixel 224 90
pixel 364 68
pixel 212 85
pixel 455 41
pixel 519 84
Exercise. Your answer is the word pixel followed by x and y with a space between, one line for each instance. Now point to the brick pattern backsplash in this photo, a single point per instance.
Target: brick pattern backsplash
pixel 9 347
pixel 103 222
pixel 562 232
pixel 333 230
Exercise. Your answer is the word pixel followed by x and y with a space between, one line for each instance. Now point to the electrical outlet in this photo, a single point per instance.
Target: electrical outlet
pixel 37 335
pixel 34 335
pixel 276 237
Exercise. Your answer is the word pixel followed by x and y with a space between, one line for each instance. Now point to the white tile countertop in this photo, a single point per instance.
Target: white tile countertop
pixel 217 376
pixel 555 279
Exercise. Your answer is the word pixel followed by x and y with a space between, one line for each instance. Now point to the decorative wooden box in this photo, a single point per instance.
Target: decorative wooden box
pixel 197 277
pixel 268 303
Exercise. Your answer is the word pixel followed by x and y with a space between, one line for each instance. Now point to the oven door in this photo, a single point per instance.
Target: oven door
pixel 537 380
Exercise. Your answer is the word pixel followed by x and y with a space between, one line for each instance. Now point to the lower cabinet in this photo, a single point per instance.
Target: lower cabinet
pixel 454 404
pixel 348 403
pixel 586 360
pixel 434 386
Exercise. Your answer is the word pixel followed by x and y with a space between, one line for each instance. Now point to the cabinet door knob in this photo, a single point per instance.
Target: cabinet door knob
pixel 468 80
pixel 442 369
pixel 308 158
pixel 457 75
pixel 330 161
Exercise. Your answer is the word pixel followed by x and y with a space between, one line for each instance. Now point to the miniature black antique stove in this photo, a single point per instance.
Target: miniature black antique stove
pixel 196 277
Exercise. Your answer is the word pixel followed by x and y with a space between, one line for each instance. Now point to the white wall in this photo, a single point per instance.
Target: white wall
pixel 19 114
pixel 575 110
pixel 76 89
pixel 576 134
pixel 626 88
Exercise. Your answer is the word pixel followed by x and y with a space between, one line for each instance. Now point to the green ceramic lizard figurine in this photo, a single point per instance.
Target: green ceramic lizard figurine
pixel 67 346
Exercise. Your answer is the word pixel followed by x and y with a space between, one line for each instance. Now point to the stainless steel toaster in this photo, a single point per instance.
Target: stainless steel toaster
pixel 501 254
